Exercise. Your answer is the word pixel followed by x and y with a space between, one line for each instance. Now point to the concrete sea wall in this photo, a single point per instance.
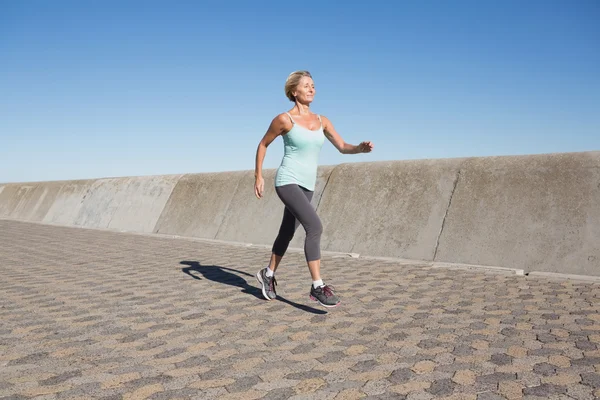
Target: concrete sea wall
pixel 539 213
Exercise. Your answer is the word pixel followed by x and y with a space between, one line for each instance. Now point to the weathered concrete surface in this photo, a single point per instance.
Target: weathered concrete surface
pixel 99 314
pixel 198 204
pixel 537 213
pixel 251 220
pixel 10 196
pixel 28 201
pixel 393 209
pixel 132 204
pixel 140 202
pixel 67 202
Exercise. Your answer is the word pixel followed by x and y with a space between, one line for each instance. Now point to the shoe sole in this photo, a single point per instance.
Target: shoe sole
pixel 313 298
pixel 262 285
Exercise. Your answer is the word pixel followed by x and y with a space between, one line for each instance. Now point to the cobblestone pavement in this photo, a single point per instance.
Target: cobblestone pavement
pixel 99 314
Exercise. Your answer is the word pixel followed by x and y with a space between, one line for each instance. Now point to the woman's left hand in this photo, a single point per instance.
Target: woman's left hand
pixel 365 147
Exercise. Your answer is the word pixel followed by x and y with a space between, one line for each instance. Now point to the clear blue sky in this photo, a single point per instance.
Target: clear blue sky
pixel 121 88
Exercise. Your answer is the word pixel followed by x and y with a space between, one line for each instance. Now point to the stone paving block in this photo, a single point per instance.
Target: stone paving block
pixel 581 392
pixel 104 314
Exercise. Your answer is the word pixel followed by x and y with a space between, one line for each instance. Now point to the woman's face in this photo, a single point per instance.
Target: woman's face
pixel 305 91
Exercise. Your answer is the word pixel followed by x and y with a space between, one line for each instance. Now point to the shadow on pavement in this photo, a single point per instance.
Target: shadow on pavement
pixel 229 276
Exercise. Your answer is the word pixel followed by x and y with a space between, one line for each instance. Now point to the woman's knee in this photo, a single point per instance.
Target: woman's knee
pixel 315 229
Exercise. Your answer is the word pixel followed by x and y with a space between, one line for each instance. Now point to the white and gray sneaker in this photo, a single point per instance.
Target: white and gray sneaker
pixel 268 284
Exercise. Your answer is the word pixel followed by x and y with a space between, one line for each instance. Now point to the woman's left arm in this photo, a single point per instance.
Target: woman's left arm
pixel 338 142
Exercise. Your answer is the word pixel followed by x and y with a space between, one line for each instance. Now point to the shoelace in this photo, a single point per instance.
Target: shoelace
pixel 328 290
pixel 272 284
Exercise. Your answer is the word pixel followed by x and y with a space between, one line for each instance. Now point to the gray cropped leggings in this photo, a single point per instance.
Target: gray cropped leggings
pixel 298 210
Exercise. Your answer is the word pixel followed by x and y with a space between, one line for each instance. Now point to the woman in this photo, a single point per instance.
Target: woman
pixel 303 135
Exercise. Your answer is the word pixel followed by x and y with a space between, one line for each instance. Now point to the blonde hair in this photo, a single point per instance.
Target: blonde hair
pixel 292 83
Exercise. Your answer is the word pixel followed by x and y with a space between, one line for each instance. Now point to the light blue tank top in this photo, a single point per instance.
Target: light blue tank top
pixel 301 156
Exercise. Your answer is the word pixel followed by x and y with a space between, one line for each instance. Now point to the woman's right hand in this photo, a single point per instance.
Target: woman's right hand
pixel 259 186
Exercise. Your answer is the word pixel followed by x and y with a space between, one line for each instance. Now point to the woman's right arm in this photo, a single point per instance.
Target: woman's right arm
pixel 280 124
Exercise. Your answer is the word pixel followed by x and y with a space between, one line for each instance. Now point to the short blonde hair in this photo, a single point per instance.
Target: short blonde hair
pixel 292 83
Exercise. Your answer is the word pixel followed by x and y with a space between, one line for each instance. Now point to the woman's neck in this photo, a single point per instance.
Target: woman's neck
pixel 303 109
